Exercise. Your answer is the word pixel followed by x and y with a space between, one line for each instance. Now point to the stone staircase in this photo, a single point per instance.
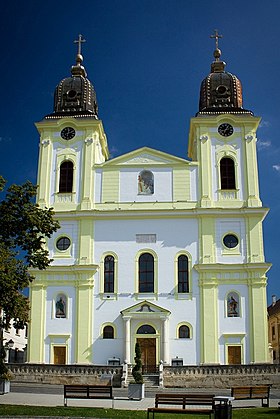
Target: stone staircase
pixel 151 380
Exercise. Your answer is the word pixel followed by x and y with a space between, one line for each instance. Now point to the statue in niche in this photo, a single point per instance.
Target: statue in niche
pixel 60 307
pixel 233 305
pixel 145 183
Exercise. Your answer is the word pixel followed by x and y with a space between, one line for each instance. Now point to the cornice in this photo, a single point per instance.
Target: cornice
pixel 261 267
pixel 92 268
pixel 119 210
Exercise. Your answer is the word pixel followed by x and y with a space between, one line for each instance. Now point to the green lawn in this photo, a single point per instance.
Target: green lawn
pixel 13 411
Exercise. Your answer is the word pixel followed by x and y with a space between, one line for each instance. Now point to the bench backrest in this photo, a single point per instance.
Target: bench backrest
pixel 76 390
pixel 184 399
pixel 260 391
pixel 250 392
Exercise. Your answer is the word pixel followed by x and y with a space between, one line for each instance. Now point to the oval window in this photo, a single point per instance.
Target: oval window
pixel 230 241
pixel 63 243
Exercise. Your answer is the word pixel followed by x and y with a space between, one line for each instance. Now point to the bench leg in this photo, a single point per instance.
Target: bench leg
pixel 65 402
pixel 265 404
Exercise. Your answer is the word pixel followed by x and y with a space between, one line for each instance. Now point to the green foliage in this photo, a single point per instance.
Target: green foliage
pixel 137 369
pixel 24 227
pixel 55 411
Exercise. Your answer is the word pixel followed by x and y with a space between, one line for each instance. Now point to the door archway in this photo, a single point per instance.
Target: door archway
pixel 145 336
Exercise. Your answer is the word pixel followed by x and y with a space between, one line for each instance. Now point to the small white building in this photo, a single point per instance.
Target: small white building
pixel 15 343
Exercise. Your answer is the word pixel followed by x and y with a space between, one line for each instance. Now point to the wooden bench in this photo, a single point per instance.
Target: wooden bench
pixel 202 404
pixel 252 392
pixel 73 391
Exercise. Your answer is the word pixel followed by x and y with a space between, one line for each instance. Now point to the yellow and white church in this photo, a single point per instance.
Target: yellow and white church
pixel 153 248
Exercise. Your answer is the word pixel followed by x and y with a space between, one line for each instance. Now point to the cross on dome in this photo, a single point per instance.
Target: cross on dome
pixel 216 36
pixel 79 42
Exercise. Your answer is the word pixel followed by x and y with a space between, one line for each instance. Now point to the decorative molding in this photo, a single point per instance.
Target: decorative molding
pixel 204 138
pixel 147 159
pixel 45 142
pixel 249 137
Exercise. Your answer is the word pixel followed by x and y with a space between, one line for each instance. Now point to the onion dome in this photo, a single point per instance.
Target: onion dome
pixel 220 91
pixel 75 95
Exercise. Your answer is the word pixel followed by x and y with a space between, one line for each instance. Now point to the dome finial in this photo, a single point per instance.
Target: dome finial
pixel 78 69
pixel 217 66
pixel 216 36
pixel 79 57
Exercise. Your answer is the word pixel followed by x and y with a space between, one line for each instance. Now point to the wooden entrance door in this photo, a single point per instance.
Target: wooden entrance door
pixel 59 355
pixel 148 353
pixel 234 355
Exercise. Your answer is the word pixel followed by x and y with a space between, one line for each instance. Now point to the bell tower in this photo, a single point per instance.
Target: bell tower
pixel 73 145
pixel 222 140
pixel 72 142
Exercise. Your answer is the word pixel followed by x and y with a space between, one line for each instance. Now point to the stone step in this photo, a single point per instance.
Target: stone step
pixel 150 380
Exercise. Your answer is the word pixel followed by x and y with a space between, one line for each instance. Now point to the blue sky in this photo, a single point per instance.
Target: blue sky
pixel 146 59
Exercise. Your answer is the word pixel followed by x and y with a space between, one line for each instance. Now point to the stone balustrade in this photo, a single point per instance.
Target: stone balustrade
pixel 221 376
pixel 66 374
pixel 214 376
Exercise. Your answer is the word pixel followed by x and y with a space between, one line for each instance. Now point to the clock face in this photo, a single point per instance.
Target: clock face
pixel 68 133
pixel 225 130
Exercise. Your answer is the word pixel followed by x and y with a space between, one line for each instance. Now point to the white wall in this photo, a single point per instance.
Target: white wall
pixel 119 237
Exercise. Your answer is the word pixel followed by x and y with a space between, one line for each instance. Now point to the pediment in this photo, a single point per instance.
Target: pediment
pixel 146 156
pixel 145 308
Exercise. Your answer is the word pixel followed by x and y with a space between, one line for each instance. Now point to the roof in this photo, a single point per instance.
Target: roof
pixel 274 309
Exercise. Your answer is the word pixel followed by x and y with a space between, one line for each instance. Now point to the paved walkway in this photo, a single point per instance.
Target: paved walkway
pixel 47 395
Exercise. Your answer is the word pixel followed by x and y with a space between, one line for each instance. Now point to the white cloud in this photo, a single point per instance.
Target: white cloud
pixel 264 124
pixel 263 144
pixel 276 167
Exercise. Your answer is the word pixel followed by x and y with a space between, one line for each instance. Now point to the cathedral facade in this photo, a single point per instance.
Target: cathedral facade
pixel 153 248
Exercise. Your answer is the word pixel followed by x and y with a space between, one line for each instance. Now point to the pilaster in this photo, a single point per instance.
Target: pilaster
pixel 209 321
pixel 205 172
pixel 251 169
pixel 259 351
pixel 36 337
pixel 86 241
pixel 84 320
pixel 88 174
pixel 207 235
pixel 44 172
pixel 255 239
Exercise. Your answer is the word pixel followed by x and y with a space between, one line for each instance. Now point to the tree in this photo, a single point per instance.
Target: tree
pixel 136 370
pixel 24 227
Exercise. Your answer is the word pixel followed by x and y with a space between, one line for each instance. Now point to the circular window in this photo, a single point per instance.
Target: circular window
pixel 72 94
pixel 221 89
pixel 63 243
pixel 230 241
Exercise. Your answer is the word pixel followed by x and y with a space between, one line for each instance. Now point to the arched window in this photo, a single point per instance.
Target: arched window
pixel 60 306
pixel 184 332
pixel 109 273
pixel 66 177
pixel 146 273
pixel 146 329
pixel 233 306
pixel 183 274
pixel 145 183
pixel 227 173
pixel 108 332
